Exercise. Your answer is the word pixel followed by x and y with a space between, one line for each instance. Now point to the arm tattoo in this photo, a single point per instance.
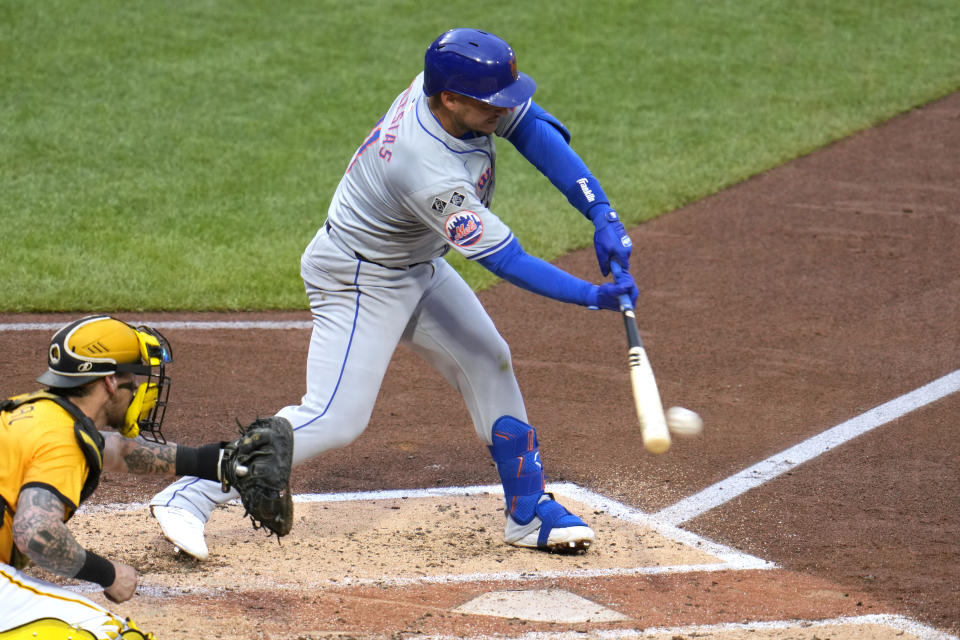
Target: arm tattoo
pixel 150 458
pixel 136 455
pixel 40 533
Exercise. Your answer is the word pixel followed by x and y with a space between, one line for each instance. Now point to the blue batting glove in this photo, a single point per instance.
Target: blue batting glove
pixel 610 240
pixel 608 293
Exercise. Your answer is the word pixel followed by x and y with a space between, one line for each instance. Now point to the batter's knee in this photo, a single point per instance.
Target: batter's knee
pixel 316 432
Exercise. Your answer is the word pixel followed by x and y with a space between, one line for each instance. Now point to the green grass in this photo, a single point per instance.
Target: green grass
pixel 180 155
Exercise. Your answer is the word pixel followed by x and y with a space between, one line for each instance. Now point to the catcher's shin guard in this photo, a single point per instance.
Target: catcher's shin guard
pixel 517 453
pixel 56 629
pixel 48 628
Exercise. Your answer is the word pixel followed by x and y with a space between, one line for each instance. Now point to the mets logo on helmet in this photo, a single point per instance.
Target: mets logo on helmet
pixel 464 228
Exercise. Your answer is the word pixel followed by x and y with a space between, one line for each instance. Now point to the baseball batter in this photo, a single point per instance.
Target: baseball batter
pixel 420 184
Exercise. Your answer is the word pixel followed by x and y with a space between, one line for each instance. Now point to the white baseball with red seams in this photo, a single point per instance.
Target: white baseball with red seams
pixel 684 422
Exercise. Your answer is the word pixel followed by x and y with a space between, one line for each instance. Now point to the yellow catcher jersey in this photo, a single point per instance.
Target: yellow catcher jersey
pixel 38 447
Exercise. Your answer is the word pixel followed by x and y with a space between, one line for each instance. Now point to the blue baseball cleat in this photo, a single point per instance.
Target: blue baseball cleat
pixel 553 528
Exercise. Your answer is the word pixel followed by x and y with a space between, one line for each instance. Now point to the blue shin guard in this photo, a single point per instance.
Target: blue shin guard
pixel 534 519
pixel 517 453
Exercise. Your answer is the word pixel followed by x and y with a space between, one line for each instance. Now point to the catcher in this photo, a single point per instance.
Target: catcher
pixel 105 373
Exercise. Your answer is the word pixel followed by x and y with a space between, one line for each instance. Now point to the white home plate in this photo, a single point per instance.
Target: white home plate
pixel 541 605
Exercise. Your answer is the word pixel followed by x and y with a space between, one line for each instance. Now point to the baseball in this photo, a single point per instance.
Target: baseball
pixel 683 422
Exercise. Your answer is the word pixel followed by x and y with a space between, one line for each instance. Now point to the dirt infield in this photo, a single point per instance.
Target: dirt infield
pixel 794 302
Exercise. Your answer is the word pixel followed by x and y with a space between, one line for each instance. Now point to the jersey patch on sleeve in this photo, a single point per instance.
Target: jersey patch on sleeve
pixel 448 199
pixel 452 199
pixel 464 228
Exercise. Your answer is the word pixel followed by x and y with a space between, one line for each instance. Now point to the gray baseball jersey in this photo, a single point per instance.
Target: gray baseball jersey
pixel 412 190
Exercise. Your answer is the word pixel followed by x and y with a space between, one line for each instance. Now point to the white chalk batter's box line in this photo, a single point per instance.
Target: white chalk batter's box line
pixel 897 623
pixel 729 559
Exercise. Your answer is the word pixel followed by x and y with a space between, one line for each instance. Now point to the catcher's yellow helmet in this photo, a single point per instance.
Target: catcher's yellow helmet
pixel 97 346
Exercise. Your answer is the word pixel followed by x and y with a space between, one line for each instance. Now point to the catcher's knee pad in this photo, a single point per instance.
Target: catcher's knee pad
pixel 517 453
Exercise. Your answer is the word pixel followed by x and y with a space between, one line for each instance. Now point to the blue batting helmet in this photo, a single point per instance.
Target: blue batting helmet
pixel 476 64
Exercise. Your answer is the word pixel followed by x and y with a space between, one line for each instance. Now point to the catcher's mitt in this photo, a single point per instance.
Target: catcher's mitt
pixel 258 466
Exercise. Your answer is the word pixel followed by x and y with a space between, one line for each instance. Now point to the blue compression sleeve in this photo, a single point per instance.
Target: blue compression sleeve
pixel 543 141
pixel 518 267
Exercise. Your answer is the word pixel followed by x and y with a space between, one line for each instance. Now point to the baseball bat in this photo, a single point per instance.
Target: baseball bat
pixel 646 397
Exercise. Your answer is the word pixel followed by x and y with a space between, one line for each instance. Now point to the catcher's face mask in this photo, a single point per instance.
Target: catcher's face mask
pixel 145 414
pixel 96 346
